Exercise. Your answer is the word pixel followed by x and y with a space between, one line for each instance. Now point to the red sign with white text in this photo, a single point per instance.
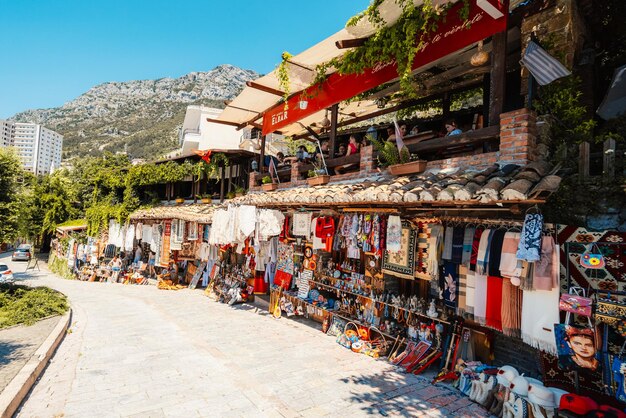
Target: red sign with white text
pixel 453 34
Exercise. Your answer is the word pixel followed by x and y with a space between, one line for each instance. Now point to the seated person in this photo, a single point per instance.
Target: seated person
pixel 391 134
pixel 302 155
pixel 451 128
pixel 342 150
pixel 352 149
pixel 267 160
pixel 403 130
pixel 415 130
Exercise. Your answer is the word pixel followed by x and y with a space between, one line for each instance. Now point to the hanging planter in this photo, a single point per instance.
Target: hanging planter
pixel 180 200
pixel 412 167
pixel 206 200
pixel 268 187
pixel 318 180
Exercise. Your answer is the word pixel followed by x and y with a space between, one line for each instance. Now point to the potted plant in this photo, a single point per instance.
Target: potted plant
pixel 239 191
pixel 318 177
pixel 180 200
pixel 268 185
pixel 398 162
pixel 230 195
pixel 205 198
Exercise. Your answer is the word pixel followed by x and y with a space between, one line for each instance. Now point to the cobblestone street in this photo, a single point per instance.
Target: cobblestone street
pixel 139 351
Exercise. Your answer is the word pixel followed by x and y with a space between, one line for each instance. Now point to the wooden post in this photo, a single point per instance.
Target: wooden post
pixel 486 95
pixel 498 77
pixel 262 154
pixel 230 178
pixel 445 104
pixel 583 161
pixel 608 159
pixel 334 112
pixel 222 183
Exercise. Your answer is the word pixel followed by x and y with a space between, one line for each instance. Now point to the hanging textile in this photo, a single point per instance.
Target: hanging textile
pixel 269 223
pixel 450 284
pixel 470 288
pixel 493 311
pixel 129 239
pixel 546 270
pixel 285 258
pixel 192 231
pixel 458 235
pixel 435 245
pixel 318 243
pixel 511 308
pixel 529 248
pixel 475 248
pixel 247 219
pixel 540 311
pixel 394 234
pixel 447 243
pixel 139 231
pixel 480 297
pixel 483 252
pixel 302 224
pixel 402 263
pixel 510 266
pixel 462 305
pixel 468 239
pixel 495 252
pixel 146 233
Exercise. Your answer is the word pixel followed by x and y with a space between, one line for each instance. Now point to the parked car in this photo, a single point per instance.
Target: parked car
pixel 6 275
pixel 22 253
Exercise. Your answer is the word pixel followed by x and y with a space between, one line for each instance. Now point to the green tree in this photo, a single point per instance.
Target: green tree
pixel 10 173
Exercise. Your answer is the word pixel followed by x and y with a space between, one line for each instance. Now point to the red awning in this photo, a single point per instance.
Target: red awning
pixel 453 35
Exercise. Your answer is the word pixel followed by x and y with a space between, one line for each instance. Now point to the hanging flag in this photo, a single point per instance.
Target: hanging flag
pixel 542 65
pixel 399 139
pixel 205 155
pixel 273 171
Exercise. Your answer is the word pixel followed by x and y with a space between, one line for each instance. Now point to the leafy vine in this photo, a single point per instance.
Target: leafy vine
pixel 283 76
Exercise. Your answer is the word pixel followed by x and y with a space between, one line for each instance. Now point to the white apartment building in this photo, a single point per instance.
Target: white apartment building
pixel 38 147
pixel 7 130
pixel 199 134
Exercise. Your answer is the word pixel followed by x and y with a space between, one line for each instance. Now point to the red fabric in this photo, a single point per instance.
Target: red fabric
pixel 577 404
pixel 352 148
pixel 475 243
pixel 494 303
pixel 328 242
pixel 325 227
pixel 260 287
pixel 282 279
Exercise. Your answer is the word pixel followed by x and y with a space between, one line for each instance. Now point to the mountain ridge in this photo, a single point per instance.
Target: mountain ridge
pixel 141 116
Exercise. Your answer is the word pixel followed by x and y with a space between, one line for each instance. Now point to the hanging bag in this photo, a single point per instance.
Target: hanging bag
pixel 609 310
pixel 576 302
pixel 592 258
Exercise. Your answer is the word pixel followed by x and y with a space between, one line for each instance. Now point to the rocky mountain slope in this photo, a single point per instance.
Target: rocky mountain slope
pixel 143 116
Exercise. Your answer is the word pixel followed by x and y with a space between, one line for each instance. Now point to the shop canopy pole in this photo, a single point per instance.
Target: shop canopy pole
pixel 262 155
pixel 334 112
pixel 498 77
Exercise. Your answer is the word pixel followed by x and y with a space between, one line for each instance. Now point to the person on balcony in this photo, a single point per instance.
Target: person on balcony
pixel 321 152
pixel 352 149
pixel 451 128
pixel 302 155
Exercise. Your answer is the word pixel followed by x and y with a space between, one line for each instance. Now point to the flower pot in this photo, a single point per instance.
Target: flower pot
pixel 240 194
pixel 318 180
pixel 180 201
pixel 268 187
pixel 206 200
pixel 408 168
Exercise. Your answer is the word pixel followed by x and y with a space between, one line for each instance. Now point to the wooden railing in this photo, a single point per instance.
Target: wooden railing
pixel 333 163
pixel 483 140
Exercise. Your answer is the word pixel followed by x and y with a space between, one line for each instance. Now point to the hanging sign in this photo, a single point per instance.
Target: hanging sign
pixel 453 34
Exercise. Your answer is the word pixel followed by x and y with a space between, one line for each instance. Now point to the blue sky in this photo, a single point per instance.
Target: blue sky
pixel 57 50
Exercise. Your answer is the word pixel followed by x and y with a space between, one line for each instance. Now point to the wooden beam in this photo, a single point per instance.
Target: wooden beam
pixel 334 113
pixel 350 43
pixel 245 110
pixel 222 122
pixel 304 67
pixel 311 131
pixel 498 78
pixel 472 137
pixel 266 89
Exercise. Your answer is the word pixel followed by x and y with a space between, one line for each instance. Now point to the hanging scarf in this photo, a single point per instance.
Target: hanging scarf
pixel 540 311
pixel 510 266
pixel 301 224
pixel 468 237
pixel 481 259
pixel 511 308
pixel 546 270
pixel 447 243
pixel 432 262
pixel 529 248
pixel 462 305
pixel 394 234
pixel 458 235
pixel 495 252
pixel 375 236
pixel 493 314
pixel 383 233
pixel 475 247
pixel 470 288
pixel 480 298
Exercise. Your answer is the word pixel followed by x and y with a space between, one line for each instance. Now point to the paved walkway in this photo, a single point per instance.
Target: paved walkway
pixel 17 345
pixel 135 351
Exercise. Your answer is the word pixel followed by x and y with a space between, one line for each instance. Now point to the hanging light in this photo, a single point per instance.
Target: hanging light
pixel 381 102
pixel 325 123
pixel 480 57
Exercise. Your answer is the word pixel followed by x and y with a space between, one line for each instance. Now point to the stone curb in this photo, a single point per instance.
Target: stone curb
pixel 15 392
